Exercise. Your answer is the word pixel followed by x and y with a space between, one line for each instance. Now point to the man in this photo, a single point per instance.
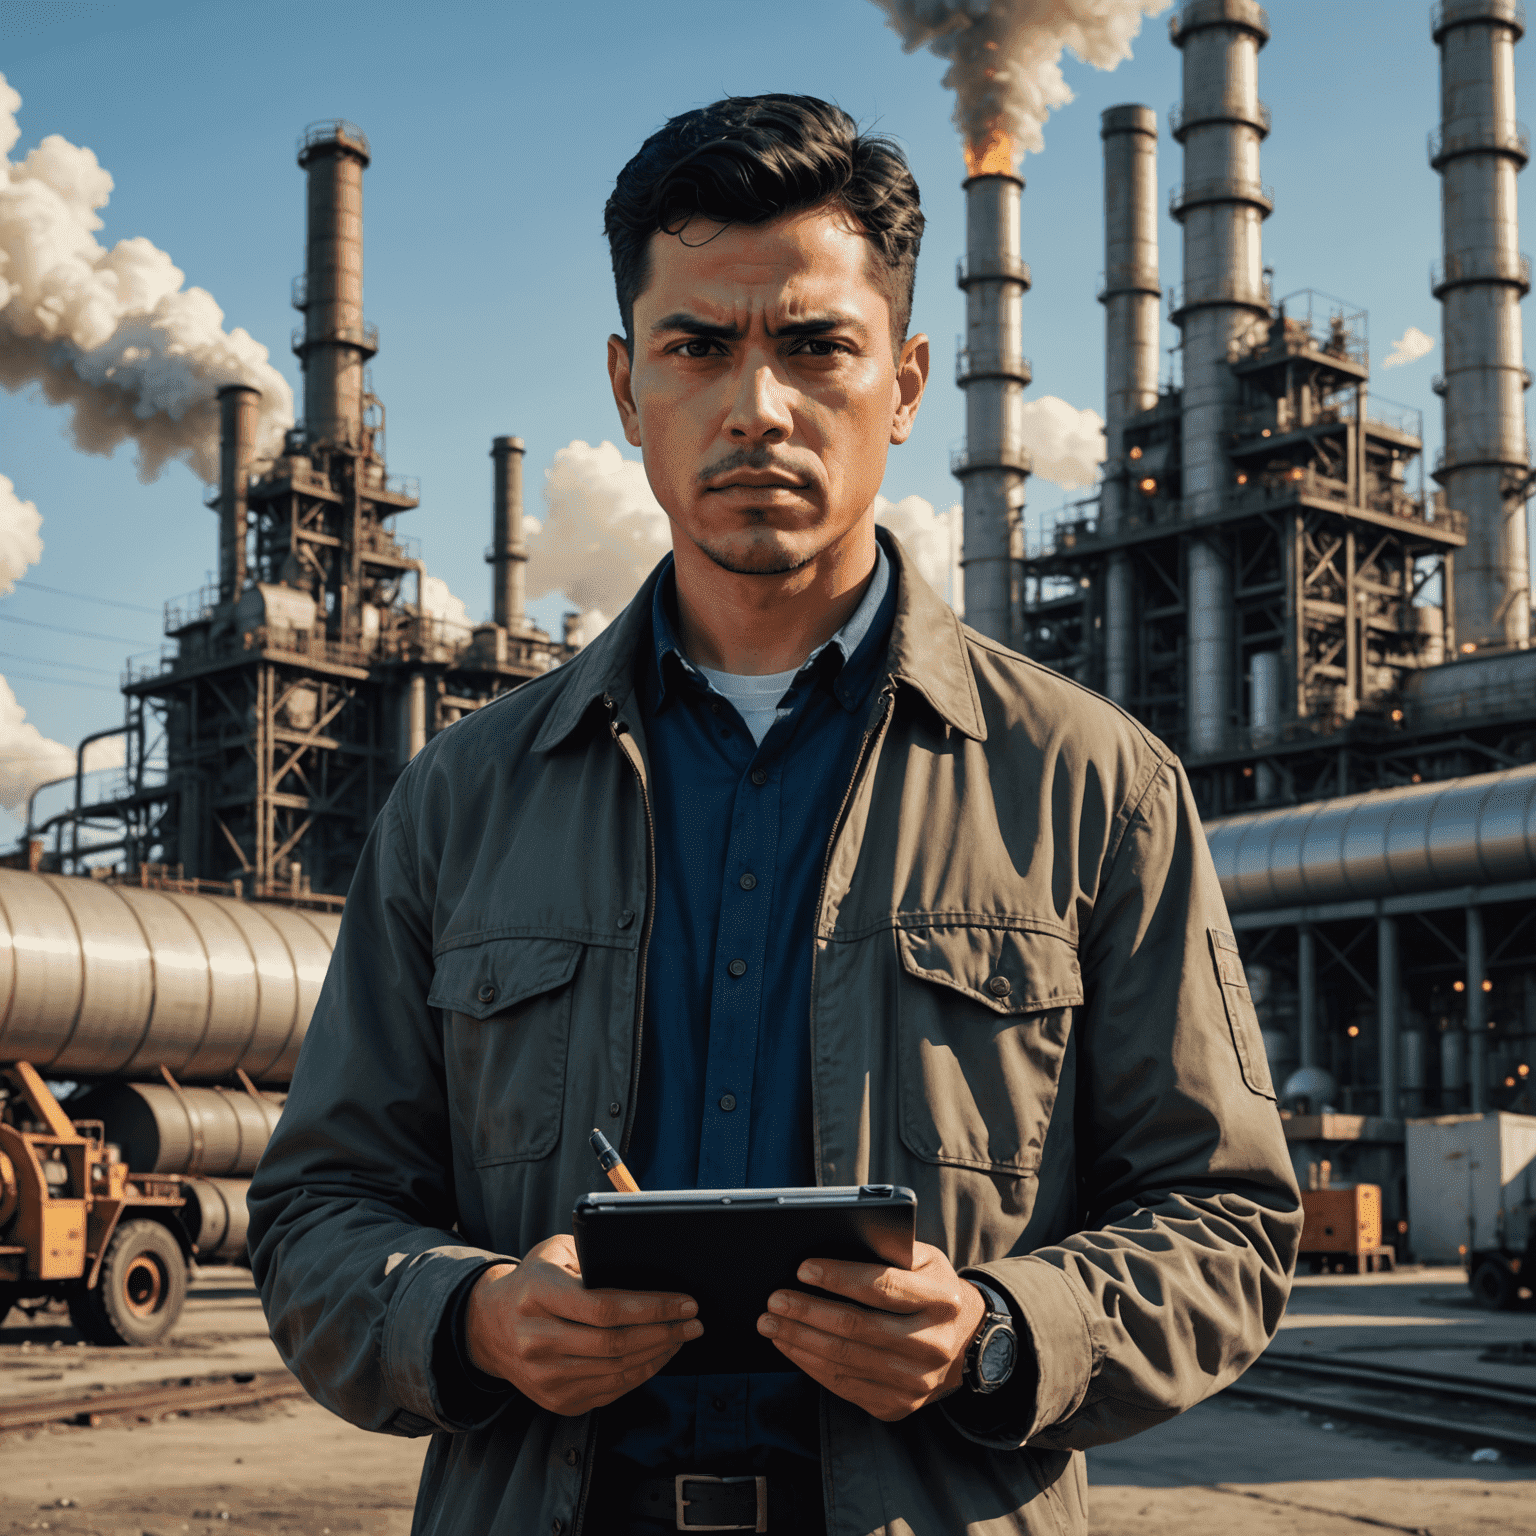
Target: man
pixel 786 879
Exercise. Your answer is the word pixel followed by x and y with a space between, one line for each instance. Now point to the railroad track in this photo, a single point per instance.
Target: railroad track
pixel 1401 1398
pixel 186 1394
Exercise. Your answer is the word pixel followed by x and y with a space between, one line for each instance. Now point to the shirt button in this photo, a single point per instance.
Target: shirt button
pixel 759 776
pixel 714 706
pixel 737 967
pixel 999 986
pixel 556 1527
pixel 614 1110
pixel 572 1457
pixel 487 994
pixel 718 1404
pixel 727 1102
pixel 749 881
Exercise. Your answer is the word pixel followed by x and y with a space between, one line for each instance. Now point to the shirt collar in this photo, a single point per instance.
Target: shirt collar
pixel 870 621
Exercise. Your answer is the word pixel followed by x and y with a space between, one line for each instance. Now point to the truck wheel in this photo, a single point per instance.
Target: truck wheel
pixel 1493 1286
pixel 140 1291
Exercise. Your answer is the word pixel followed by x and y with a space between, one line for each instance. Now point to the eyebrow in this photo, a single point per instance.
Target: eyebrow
pixel 692 325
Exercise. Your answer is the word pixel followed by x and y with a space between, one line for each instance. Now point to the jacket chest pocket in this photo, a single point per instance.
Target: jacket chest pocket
pixel 506 1036
pixel 983 1020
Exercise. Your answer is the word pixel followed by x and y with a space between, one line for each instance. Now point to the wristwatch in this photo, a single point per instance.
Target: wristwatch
pixel 989 1359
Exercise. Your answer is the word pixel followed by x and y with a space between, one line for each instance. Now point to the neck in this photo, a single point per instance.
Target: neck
pixel 753 625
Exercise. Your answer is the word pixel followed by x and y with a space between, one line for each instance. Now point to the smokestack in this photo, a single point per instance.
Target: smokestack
pixel 1222 206
pixel 993 372
pixel 336 341
pixel 1478 152
pixel 509 555
pixel 1131 297
pixel 239 417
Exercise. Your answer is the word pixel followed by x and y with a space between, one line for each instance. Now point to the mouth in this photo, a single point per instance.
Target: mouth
pixel 759 480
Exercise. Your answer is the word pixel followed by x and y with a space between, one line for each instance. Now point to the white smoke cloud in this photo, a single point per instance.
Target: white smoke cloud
pixel 112 334
pixel 930 538
pixel 1005 55
pixel 19 544
pixel 27 757
pixel 454 623
pixel 1065 444
pixel 1409 348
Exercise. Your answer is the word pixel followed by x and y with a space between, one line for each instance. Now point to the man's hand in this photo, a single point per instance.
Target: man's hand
pixel 889 1362
pixel 570 1350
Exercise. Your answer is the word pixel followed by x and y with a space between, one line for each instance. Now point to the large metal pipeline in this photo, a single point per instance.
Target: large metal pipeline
pixel 102 980
pixel 1479 830
pixel 217 1217
pixel 221 1132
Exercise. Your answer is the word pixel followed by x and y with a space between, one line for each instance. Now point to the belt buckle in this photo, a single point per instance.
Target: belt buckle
pixel 684 1524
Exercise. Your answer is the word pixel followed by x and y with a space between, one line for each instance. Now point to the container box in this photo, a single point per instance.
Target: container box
pixel 1342 1219
pixel 1471 1185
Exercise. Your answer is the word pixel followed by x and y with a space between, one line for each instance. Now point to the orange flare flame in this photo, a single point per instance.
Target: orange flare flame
pixel 990 155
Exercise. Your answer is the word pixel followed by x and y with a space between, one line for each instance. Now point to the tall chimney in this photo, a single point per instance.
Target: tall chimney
pixel 993 372
pixel 508 552
pixel 336 342
pixel 1478 151
pixel 1131 300
pixel 1222 206
pixel 239 407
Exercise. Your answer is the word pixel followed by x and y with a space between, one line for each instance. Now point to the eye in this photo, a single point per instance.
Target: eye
pixel 699 346
pixel 820 346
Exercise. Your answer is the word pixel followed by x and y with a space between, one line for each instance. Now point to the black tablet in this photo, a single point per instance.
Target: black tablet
pixel 730 1249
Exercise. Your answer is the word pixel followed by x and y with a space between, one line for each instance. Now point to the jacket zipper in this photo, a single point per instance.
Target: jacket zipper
pixel 645 930
pixel 875 734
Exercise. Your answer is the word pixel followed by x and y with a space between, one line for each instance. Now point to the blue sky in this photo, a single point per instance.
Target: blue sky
pixel 497 131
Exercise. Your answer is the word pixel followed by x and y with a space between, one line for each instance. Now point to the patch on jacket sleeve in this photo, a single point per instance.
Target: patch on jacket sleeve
pixel 1247 1038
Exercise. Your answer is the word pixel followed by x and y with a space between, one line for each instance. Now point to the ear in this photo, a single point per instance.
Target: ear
pixel 619 376
pixel 911 381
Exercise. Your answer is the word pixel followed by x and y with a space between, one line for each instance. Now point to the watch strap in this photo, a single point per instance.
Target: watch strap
pixel 998 1312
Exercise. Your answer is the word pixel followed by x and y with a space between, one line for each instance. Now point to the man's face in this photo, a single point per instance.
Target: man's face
pixel 763 389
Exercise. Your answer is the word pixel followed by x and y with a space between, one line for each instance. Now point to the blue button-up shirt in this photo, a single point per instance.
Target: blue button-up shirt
pixel 742 834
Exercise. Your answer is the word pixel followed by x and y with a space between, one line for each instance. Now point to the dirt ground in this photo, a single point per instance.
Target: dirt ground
pixel 291 1467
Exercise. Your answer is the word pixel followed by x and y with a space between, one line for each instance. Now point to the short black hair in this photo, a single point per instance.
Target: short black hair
pixel 751 159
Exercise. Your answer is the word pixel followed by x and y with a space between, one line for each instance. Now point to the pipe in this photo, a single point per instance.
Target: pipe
pixel 101 980
pixel 1478 151
pixel 1388 1022
pixel 1131 319
pixel 239 409
pixel 221 1132
pixel 336 342
pixel 993 372
pixel 1265 670
pixel 1221 205
pixel 1477 1011
pixel 1475 831
pixel 217 1217
pixel 1306 995
pixel 415 715
pixel 508 555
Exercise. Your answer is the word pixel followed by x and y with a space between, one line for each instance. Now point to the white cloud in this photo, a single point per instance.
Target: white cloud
pixel 1409 348
pixel 454 623
pixel 27 757
pixel 1065 444
pixel 931 538
pixel 20 545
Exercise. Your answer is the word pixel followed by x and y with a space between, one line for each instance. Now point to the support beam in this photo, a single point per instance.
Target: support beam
pixel 1477 1012
pixel 1388 1014
pixel 1306 995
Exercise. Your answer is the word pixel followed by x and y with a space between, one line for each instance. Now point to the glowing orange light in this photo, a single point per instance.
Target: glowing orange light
pixel 1458 986
pixel 1523 1070
pixel 1352 1031
pixel 1135 453
pixel 1242 479
pixel 1417 778
pixel 1397 714
pixel 1468 648
pixel 1264 433
pixel 1149 485
pixel 1247 773
pixel 1298 473
pixel 1509 1082
pixel 990 155
pixel 1487 986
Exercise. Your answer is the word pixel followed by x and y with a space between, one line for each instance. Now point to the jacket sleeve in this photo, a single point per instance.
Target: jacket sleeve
pixel 1189 1207
pixel 352 1205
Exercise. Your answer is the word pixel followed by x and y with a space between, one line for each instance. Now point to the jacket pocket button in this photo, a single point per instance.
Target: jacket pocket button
pixel 614 1110
pixel 626 917
pixel 487 994
pixel 999 986
pixel 572 1456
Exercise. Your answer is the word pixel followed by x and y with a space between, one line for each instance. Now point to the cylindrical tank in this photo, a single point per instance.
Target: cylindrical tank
pixel 239 411
pixel 221 1132
pixel 1222 205
pixel 217 1217
pixel 993 372
pixel 1478 151
pixel 1131 299
pixel 337 342
pixel 102 980
pixel 509 555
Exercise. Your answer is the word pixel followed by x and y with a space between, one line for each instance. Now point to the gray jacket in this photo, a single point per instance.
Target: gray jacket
pixel 1098 1137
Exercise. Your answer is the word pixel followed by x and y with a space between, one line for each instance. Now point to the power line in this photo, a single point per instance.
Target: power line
pixel 43 661
pixel 59 682
pixel 60 629
pixel 88 597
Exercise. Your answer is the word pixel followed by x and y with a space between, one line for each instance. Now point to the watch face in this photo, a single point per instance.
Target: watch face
pixel 998 1350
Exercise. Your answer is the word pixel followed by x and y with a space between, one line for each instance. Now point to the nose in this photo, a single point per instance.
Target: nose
pixel 760 412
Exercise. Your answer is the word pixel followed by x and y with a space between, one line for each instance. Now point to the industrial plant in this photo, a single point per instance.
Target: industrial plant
pixel 1333 636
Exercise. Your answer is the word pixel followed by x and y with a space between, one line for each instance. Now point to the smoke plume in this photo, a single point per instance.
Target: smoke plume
pixel 1004 57
pixel 1066 445
pixel 111 334
pixel 1409 348
pixel 454 625
pixel 604 531
pixel 19 544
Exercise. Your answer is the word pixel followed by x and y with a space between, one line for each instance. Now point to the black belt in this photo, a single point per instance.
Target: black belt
pixel 698 1501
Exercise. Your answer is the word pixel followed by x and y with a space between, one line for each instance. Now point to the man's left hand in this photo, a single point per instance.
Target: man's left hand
pixel 891 1361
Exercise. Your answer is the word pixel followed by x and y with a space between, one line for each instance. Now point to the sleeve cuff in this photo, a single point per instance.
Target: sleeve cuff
pixel 1054 1334
pixel 421 1368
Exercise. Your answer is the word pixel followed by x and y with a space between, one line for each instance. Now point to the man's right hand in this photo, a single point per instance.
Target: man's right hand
pixel 571 1350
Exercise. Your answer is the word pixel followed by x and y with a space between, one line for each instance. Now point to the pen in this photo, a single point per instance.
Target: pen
pixel 613 1165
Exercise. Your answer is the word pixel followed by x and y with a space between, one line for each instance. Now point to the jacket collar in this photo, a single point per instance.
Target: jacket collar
pixel 927 653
